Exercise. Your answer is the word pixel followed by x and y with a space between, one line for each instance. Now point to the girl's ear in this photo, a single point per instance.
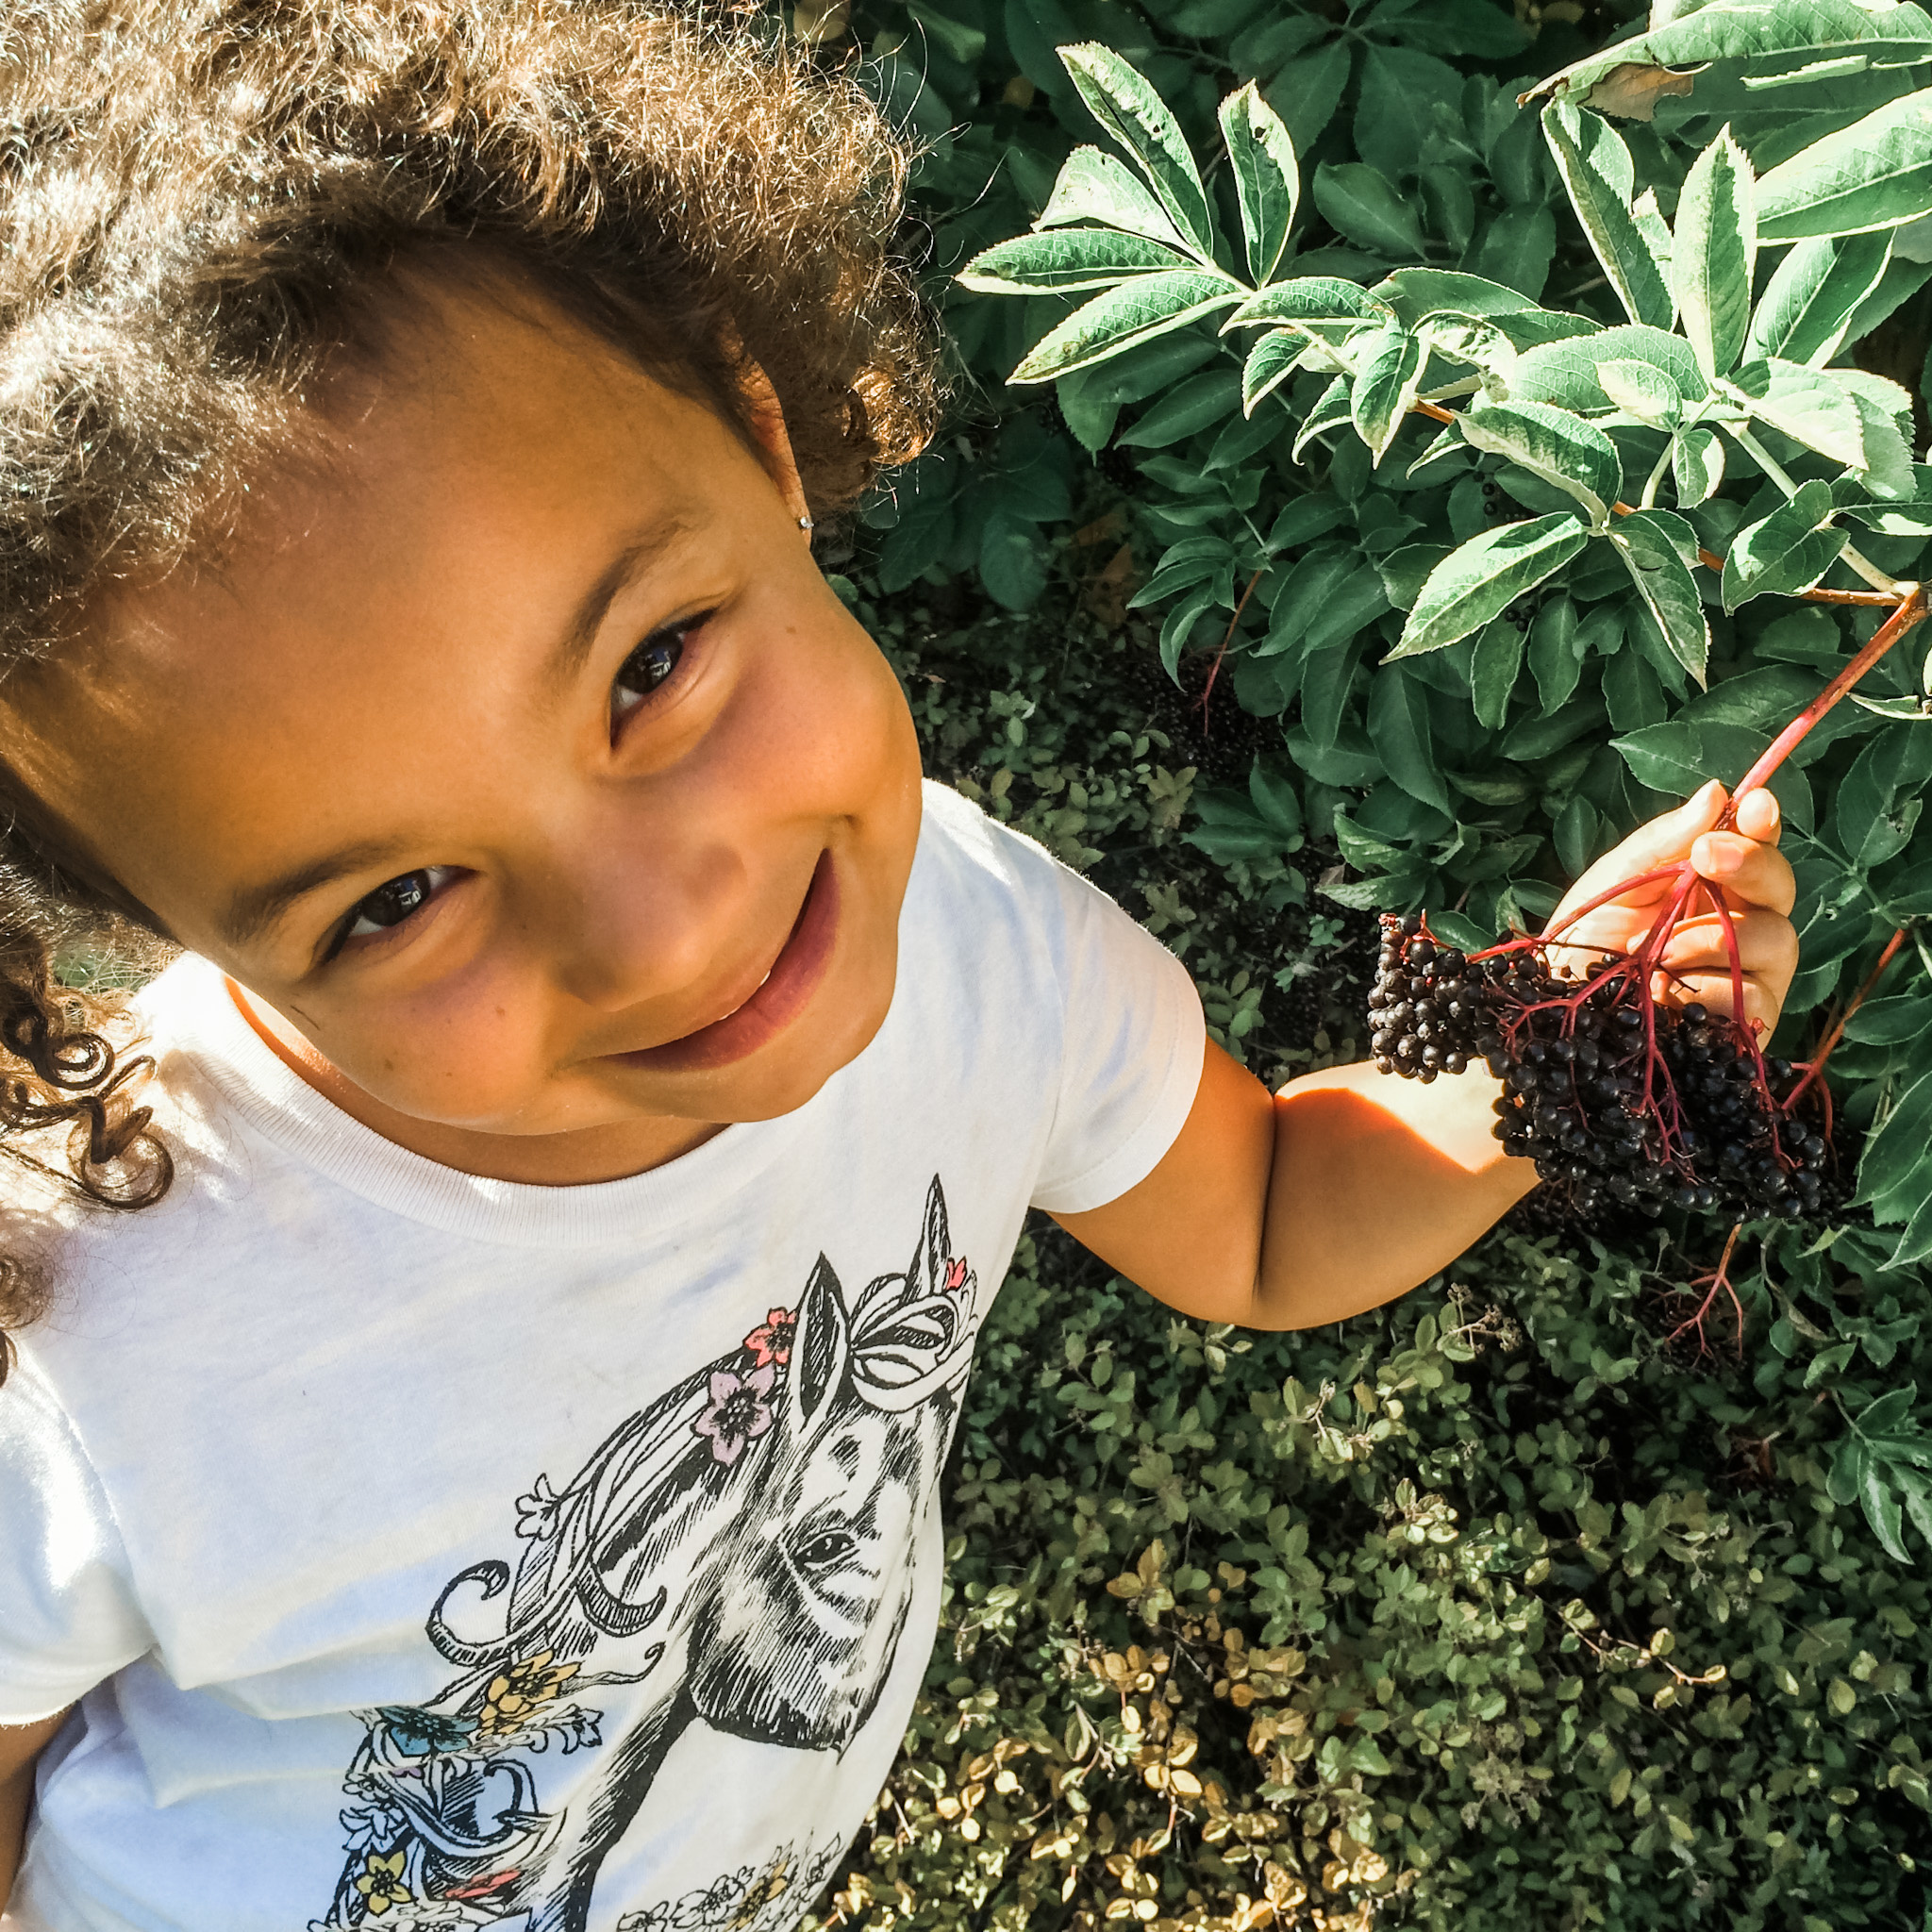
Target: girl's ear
pixel 766 419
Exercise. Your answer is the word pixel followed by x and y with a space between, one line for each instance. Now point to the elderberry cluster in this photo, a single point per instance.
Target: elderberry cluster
pixel 1612 1110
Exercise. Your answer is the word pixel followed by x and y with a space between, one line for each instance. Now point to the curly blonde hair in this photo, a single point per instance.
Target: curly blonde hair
pixel 199 200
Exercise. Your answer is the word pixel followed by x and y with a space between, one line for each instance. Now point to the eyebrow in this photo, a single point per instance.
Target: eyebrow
pixel 252 909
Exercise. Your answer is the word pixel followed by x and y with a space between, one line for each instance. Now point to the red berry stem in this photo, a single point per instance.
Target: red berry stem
pixel 1829 1043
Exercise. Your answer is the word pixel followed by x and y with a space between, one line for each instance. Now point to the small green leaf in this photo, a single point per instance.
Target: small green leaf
pixel 1553 661
pixel 1564 372
pixel 1270 363
pixel 1881 1508
pixel 1641 390
pixel 1697 465
pixel 1714 251
pixel 1135 312
pixel 1363 203
pixel 1652 552
pixel 1890 1021
pixel 1386 384
pixel 1552 444
pixel 1267 179
pixel 1094 187
pixel 1065 258
pixel 1399 731
pixel 1480 579
pixel 1493 671
pixel 1812 407
pixel 1876 174
pixel 1119 98
pixel 1517 249
pixel 1597 172
pixel 1331 411
pixel 1814 293
pixel 1323 304
pixel 1787 551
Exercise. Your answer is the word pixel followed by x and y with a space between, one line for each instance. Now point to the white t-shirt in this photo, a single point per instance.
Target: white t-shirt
pixel 427 1551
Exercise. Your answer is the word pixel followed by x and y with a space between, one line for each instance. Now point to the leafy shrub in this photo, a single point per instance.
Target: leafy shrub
pixel 1450 1527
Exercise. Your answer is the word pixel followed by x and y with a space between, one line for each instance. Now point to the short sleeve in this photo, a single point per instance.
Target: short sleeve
pixel 68 1614
pixel 1134 1041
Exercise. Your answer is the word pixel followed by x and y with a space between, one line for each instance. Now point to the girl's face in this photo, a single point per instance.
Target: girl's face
pixel 524 769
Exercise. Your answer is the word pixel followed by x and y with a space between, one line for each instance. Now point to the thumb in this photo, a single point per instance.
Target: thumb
pixel 1669 835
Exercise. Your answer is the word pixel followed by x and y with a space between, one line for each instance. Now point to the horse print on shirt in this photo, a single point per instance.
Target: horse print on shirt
pixel 737 1554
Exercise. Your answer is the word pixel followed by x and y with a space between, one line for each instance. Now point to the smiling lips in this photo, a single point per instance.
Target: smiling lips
pixel 777 1000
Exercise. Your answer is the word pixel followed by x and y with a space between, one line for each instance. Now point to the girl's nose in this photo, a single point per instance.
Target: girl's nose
pixel 631 927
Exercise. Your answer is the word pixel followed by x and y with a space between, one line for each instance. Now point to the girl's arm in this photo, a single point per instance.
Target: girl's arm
pixel 20 1746
pixel 1349 1186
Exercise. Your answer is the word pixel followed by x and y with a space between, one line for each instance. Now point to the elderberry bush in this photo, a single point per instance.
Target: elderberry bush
pixel 1614 1103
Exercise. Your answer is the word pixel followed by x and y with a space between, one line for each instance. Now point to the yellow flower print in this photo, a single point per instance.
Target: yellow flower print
pixel 761 1892
pixel 516 1695
pixel 381 1882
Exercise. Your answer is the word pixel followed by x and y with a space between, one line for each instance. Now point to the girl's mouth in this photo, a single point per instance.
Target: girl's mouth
pixel 773 1004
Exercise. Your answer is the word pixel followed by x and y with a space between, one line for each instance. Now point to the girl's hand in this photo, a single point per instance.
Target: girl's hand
pixel 1754 882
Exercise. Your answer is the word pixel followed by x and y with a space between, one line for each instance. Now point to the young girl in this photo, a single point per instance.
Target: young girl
pixel 485 1473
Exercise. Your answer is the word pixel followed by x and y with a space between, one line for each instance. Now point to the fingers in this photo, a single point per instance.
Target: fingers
pixel 1758 816
pixel 1662 842
pixel 1751 873
pixel 1698 964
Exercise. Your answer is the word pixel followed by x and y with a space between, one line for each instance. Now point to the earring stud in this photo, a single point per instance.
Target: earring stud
pixel 806 524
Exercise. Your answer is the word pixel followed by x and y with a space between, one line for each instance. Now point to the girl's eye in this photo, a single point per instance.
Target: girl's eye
pixel 394 901
pixel 647 667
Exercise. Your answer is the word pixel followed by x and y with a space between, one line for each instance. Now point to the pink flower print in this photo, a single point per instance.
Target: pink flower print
pixel 741 1410
pixel 958 1275
pixel 773 1342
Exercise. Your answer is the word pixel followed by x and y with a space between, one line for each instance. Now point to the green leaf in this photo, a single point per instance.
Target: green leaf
pixel 1598 174
pixel 1323 304
pixel 1399 731
pixel 1121 99
pixel 1896 1148
pixel 1565 373
pixel 1386 384
pixel 1362 203
pixel 1065 258
pixel 1787 551
pixel 1881 1416
pixel 1178 626
pixel 1812 407
pixel 1714 252
pixel 1493 671
pixel 1881 1509
pixel 1193 561
pixel 1331 411
pixel 1697 465
pixel 1553 661
pixel 1641 390
pixel 1876 174
pixel 1652 552
pixel 1481 578
pixel 1094 187
pixel 1267 179
pixel 1890 1021
pixel 1307 92
pixel 1518 247
pixel 1552 444
pixel 1814 293
pixel 1204 399
pixel 1012 562
pixel 1135 312
pixel 1270 363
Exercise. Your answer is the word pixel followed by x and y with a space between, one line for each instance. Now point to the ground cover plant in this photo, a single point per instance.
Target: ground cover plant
pixel 1495 1608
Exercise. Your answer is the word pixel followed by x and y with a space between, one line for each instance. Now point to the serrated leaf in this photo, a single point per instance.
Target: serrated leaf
pixel 1480 579
pixel 1814 293
pixel 1876 174
pixel 1881 1510
pixel 1652 552
pixel 1640 390
pixel 1092 186
pixel 1897 1147
pixel 1193 561
pixel 1494 667
pixel 1552 444
pixel 1064 260
pixel 1268 182
pixel 1564 372
pixel 1363 203
pixel 1333 408
pixel 1714 253
pixel 1881 1416
pixel 1398 725
pixel 1270 363
pixel 1785 552
pixel 1841 1479
pixel 1135 312
pixel 1597 172
pixel 1916 710
pixel 1384 386
pixel 1812 407
pixel 1121 98
pixel 1697 465
pixel 1323 304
